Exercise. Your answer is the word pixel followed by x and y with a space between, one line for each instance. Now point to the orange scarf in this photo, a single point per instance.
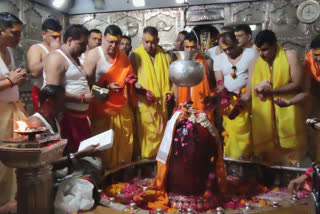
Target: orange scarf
pixel 312 67
pixel 118 72
pixel 199 92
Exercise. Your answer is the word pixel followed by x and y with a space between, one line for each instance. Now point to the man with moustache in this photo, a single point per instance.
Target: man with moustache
pixel 62 67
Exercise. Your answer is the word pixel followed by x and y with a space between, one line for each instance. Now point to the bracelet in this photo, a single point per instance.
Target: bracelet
pixel 220 82
pixel 10 82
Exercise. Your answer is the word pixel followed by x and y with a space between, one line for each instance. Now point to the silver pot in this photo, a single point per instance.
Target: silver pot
pixel 186 72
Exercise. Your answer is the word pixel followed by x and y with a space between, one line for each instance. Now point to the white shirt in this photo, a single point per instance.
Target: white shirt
pixel 223 64
pixel 8 94
pixel 104 66
pixel 212 53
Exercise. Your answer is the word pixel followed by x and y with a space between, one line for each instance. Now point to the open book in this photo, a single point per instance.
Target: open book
pixel 105 139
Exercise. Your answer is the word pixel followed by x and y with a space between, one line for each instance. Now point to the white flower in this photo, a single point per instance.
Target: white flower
pixel 201 117
pixel 205 124
pixel 192 118
pixel 192 110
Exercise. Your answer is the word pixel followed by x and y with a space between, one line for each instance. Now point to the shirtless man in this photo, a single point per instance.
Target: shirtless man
pixel 51 36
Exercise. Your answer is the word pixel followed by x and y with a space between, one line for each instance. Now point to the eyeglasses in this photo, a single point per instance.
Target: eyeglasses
pixel 233 73
pixel 234 68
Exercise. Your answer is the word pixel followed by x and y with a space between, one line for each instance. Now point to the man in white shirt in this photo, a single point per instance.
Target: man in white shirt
pixel 51 35
pixel 231 72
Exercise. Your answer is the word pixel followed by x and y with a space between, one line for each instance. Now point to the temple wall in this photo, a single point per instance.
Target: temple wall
pixel 32 15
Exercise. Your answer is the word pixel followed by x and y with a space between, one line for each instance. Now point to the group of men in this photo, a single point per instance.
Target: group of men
pixel 268 79
pixel 270 84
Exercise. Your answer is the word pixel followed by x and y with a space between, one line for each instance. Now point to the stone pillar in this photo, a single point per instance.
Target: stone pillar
pixel 35 190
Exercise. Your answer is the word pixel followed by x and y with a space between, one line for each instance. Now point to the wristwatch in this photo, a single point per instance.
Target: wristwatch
pixel 71 158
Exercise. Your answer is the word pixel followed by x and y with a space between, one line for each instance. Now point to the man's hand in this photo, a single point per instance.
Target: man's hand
pixel 115 86
pixel 144 92
pixel 282 102
pixel 9 207
pixel 169 98
pixel 150 96
pixel 90 151
pixel 88 97
pixel 295 184
pixel 263 89
pixel 17 76
pixel 131 79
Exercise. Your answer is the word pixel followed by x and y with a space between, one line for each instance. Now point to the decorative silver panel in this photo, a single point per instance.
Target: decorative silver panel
pixel 167 23
pixel 205 14
pixel 248 12
pixel 9 6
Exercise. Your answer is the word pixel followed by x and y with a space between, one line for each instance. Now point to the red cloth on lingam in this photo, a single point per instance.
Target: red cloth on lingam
pixel 190 161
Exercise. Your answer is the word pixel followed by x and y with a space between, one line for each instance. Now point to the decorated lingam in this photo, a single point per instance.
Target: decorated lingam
pixel 32 157
pixel 189 174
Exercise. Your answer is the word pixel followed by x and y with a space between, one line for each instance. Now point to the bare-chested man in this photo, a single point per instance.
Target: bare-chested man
pixel 51 35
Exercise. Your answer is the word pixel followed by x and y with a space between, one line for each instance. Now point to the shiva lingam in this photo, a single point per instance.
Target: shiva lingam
pixel 186 72
pixel 32 156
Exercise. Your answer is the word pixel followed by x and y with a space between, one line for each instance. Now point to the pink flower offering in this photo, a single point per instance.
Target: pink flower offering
pixel 211 176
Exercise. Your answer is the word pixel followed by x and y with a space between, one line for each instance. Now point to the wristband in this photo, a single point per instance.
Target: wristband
pixel 10 82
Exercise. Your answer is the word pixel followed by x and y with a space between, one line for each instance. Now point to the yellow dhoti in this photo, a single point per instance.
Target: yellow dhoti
pixel 116 113
pixel 122 125
pixel 9 113
pixel 152 117
pixel 237 141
